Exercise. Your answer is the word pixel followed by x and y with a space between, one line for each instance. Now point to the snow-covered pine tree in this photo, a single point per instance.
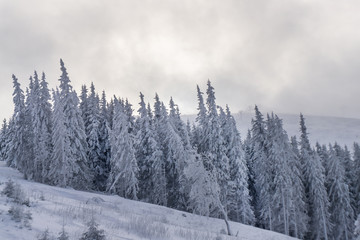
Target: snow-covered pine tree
pixel 262 174
pixel 104 141
pixel 198 142
pixel 110 112
pixel 92 118
pixel 74 134
pixel 247 146
pixel 60 173
pixel 174 154
pixel 356 159
pixel 124 170
pixel 160 167
pixel 129 114
pixel 319 222
pixel 159 194
pixel 46 126
pixel 298 221
pixel 178 124
pixel 32 102
pixel 215 144
pixel 8 137
pixel 182 131
pixel 322 151
pixel 152 182
pixel 239 208
pixel 204 195
pixel 3 140
pixel 93 233
pixel 17 143
pixel 41 118
pixel 342 215
pixel 348 164
pixel 280 190
pixel 84 108
pixel 28 167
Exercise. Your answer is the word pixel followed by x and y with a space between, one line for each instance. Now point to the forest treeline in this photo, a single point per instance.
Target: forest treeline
pixel 269 180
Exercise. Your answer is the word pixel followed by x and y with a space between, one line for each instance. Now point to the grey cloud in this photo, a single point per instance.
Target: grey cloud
pixel 279 55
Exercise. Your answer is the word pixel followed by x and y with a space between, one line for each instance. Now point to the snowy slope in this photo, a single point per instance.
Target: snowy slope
pixel 325 130
pixel 51 207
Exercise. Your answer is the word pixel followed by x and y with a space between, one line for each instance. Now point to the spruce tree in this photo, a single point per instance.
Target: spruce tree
pixel 239 207
pixel 342 214
pixel 3 140
pixel 124 170
pixel 28 168
pixel 322 151
pixel 178 124
pixel 215 144
pixel 262 172
pixel 46 126
pixel 204 196
pixel 149 158
pixel 92 118
pixel 129 116
pixel 248 153
pixel 314 178
pixel 69 137
pixel 278 157
pixel 93 233
pixel 356 159
pixel 186 153
pixel 60 173
pixel 41 115
pixel 348 164
pixel 202 124
pixel 104 142
pixel 84 106
pixel 174 154
pixel 298 222
pixel 17 142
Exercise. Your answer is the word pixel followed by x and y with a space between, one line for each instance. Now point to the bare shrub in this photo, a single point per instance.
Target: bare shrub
pixel 18 214
pixel 13 191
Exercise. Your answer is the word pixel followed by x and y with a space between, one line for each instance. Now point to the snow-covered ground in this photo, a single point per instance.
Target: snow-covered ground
pixel 53 207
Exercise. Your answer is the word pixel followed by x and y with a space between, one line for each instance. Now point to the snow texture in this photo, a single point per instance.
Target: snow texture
pixel 54 207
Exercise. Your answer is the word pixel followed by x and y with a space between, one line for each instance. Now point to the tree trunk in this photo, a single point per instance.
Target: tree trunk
pixel 226 220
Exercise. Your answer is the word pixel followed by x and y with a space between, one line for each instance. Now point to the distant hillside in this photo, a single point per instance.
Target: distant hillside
pixel 345 131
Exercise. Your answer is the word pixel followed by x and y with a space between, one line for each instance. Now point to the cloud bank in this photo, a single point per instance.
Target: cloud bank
pixel 286 56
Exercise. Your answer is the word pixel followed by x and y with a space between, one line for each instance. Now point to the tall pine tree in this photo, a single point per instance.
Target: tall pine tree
pixel 17 142
pixel 342 214
pixel 239 207
pixel 73 145
pixel 124 170
pixel 320 225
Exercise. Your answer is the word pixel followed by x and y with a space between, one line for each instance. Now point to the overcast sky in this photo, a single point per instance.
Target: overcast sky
pixel 286 56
